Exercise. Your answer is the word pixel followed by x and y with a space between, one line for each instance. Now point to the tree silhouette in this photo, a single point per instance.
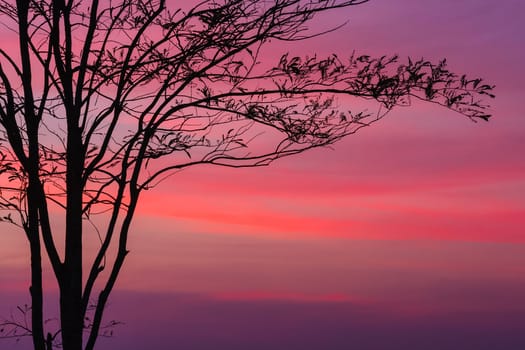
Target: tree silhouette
pixel 102 100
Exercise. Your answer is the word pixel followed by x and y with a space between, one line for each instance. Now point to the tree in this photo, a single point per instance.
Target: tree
pixel 100 101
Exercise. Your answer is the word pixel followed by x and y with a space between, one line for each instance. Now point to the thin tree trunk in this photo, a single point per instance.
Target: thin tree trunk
pixel 32 168
pixel 33 234
pixel 37 302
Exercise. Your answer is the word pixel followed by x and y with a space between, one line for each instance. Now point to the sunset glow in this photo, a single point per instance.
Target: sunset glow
pixel 409 234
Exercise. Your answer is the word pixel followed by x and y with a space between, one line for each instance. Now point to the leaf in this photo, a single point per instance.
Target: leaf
pixel 240 143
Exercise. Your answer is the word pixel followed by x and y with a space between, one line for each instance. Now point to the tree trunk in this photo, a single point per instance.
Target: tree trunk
pixel 33 235
pixel 37 302
pixel 72 318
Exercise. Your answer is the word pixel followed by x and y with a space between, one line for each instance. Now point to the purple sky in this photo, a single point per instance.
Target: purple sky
pixel 409 235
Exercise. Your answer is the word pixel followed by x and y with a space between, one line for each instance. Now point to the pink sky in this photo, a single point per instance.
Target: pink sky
pixel 413 228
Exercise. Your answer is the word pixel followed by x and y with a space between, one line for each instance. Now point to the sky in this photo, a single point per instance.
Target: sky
pixel 407 235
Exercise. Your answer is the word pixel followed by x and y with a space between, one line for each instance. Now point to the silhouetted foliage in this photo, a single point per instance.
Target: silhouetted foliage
pixel 101 100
